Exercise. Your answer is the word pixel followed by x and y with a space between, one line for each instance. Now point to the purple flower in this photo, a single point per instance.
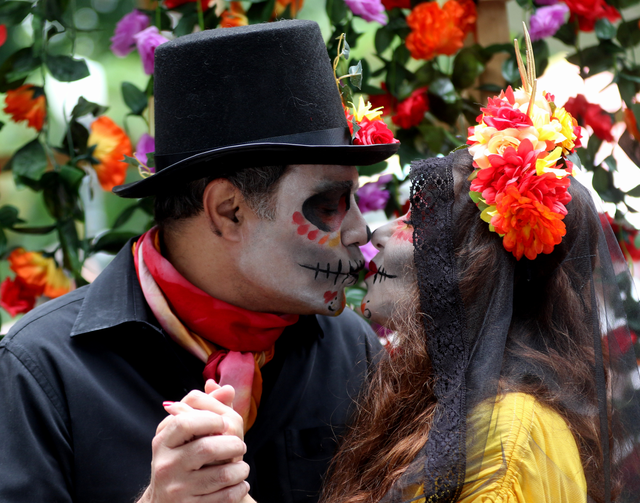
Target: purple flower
pixel 146 42
pixel 122 42
pixel 146 145
pixel 546 2
pixel 547 20
pixel 371 196
pixel 369 10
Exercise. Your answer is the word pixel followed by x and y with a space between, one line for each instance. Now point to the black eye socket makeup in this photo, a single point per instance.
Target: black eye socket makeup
pixel 327 208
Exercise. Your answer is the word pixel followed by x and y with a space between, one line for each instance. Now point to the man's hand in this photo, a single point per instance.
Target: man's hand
pixel 197 451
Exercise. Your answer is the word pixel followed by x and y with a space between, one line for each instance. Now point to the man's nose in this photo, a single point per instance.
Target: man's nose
pixel 354 228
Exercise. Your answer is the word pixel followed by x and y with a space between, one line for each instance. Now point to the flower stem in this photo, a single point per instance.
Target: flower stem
pixel 200 15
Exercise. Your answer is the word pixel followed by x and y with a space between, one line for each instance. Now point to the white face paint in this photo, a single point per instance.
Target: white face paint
pixel 304 258
pixel 392 272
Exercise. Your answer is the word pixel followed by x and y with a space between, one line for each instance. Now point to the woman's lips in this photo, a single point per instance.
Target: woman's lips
pixel 373 268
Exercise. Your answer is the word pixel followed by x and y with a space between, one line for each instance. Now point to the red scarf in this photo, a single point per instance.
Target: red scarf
pixel 234 342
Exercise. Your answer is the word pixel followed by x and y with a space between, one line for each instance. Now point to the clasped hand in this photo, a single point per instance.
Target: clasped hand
pixel 197 451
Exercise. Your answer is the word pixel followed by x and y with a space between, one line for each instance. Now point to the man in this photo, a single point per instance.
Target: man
pixel 257 232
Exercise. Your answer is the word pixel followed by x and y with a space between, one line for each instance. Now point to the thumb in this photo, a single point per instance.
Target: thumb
pixel 225 395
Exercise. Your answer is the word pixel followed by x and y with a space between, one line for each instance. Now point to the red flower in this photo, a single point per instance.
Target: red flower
pixel 3 34
pixel 410 111
pixel 27 103
pixel 387 101
pixel 439 31
pixel 111 145
pixel 630 121
pixel 373 132
pixel 16 296
pixel 587 12
pixel 591 115
pixel 528 226
pixel 172 4
pixel 402 4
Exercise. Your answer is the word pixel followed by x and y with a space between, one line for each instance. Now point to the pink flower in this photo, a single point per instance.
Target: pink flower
pixel 146 145
pixel 372 133
pixel 508 117
pixel 372 197
pixel 369 10
pixel 368 252
pixel 147 41
pixel 122 42
pixel 547 21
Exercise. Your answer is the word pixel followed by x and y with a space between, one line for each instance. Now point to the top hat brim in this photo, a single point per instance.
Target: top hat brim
pixel 235 157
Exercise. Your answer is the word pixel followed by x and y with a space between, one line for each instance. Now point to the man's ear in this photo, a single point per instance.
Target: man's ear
pixel 224 207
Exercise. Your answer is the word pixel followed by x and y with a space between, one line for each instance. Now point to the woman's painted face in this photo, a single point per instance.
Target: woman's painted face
pixel 305 258
pixel 391 272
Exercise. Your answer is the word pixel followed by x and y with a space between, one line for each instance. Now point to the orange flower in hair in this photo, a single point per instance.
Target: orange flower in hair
pixel 27 103
pixel 41 274
pixel 234 16
pixel 438 30
pixel 111 145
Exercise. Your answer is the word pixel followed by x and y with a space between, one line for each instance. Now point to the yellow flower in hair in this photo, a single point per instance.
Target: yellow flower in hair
pixel 568 124
pixel 362 111
pixel 547 164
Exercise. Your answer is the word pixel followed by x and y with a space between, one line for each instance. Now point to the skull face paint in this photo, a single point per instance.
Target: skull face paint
pixel 391 272
pixel 306 256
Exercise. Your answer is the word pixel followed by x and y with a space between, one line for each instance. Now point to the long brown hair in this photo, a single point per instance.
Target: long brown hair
pixel 551 329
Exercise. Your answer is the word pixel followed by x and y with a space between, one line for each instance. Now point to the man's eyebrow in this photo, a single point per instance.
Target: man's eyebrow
pixel 333 185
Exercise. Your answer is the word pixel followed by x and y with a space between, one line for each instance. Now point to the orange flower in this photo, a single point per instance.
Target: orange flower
pixel 112 144
pixel 630 121
pixel 39 272
pixel 234 16
pixel 281 6
pixel 436 30
pixel 27 103
pixel 528 226
pixel 439 31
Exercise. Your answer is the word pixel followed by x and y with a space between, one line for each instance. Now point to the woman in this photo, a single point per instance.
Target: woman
pixel 509 379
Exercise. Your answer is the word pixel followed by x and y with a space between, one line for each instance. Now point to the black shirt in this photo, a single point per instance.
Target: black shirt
pixel 83 378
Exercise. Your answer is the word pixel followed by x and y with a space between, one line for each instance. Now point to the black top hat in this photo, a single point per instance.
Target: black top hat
pixel 257 95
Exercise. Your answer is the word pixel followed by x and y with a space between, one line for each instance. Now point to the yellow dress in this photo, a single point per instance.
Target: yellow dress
pixel 530 456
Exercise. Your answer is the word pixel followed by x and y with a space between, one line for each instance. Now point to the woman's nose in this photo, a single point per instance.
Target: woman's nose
pixel 382 234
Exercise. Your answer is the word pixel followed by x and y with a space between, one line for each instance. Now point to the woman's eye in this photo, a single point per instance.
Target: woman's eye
pixel 406 222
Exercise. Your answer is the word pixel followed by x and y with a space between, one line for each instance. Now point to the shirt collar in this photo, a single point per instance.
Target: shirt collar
pixel 114 298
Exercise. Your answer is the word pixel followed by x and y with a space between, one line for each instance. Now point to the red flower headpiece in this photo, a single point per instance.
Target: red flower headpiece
pixel 519 150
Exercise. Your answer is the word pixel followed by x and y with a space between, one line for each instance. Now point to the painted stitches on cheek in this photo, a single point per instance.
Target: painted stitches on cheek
pixel 380 274
pixel 339 273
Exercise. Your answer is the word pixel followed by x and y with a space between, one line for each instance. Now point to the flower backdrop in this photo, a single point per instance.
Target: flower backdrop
pixel 422 65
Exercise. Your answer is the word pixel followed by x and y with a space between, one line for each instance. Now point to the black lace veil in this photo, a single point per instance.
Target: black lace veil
pixel 493 344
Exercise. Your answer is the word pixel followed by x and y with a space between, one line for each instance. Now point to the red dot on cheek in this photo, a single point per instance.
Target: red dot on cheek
pixel 298 218
pixel 303 229
pixel 313 234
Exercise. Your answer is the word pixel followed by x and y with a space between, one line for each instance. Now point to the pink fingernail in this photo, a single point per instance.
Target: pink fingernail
pixel 167 404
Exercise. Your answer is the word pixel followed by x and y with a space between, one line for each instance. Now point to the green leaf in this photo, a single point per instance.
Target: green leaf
pixel 29 162
pixel 260 12
pixel 466 69
pixel 45 229
pixel 401 55
pixel 354 295
pixel 9 217
pixel 600 180
pixel 70 244
pixel 383 39
pixel 54 9
pixel 356 75
pixel 134 98
pixel 605 29
pixel 510 72
pixel 75 139
pixel 628 33
pixel 60 192
pixel 12 13
pixel 575 159
pixel 66 68
pixel 3 243
pixel 337 11
pixel 443 87
pixel 186 24
pixel 635 192
pixel 7 68
pixel 611 163
pixel 112 242
pixel 567 34
pixel 433 136
pixel 598 58
pixel 541 51
pixel 85 107
pixel 37 25
pixel 125 216
pixel 24 63
pixel 373 169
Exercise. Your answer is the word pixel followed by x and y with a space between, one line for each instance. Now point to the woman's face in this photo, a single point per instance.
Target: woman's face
pixel 392 274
